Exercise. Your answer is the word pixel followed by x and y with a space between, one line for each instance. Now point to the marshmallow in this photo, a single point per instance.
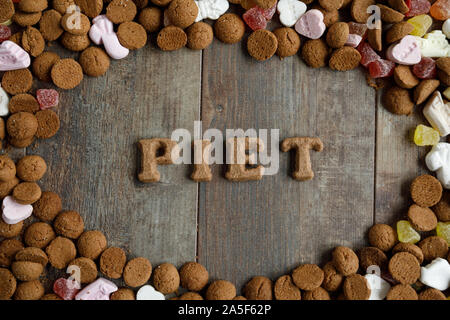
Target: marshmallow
pixel 147 292
pixel 311 24
pixel 406 52
pixel 290 11
pixel 379 287
pixel 353 40
pixel 13 57
pixel 102 32
pixel 434 45
pixel 438 114
pixel 436 274
pixel 14 212
pixel 438 159
pixel 446 28
pixel 100 289
pixel 211 9
pixel 4 103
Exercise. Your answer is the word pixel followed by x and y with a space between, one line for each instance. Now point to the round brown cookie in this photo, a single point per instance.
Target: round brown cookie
pixel 27 192
pixel 10 230
pixel 345 260
pixel 25 19
pixel 329 17
pixel 62 5
pixel 74 42
pixel 315 53
pixel 67 74
pixel 32 254
pixel 426 190
pixel 31 168
pixel 171 38
pixel 17 81
pixel 137 272
pixel 356 287
pixel 241 298
pixel 7 168
pixel 132 35
pixel 432 294
pixel 8 250
pixel 288 42
pixel 88 269
pixel 166 278
pixel 371 256
pixel 112 262
pixel 316 294
pixel 69 224
pixel 24 143
pixel 23 102
pixel 32 41
pixel 91 244
pixel 17 38
pixel 30 290
pixel 262 44
pixel 7 282
pixel 337 35
pixel 382 236
pixel 43 65
pixel 433 247
pixel 399 5
pixel 48 124
pixel 330 5
pixel 48 206
pixel 398 101
pixel 308 277
pixel 50 25
pixel 258 288
pixel 199 36
pixel 410 248
pixel 60 252
pixel 193 276
pixel 424 90
pixel 344 59
pixel 2 129
pixel 284 289
pixel 123 294
pixel 26 270
pixel 404 268
pixel 246 4
pixel 51 297
pixel 390 15
pixel 32 5
pixel 398 31
pixel 78 29
pixel 443 70
pixel 119 11
pixel 266 4
pixel 402 292
pixel 229 28
pixel 21 125
pixel 404 77
pixel 151 19
pixel 359 10
pixel 38 235
pixel 6 10
pixel 190 296
pixel 182 13
pixel 220 290
pixel 91 8
pixel 94 61
pixel 332 279
pixel 442 209
pixel 422 219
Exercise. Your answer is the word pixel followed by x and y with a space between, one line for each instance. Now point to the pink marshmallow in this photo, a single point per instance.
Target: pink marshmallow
pixel 102 32
pixel 311 24
pixel 14 212
pixel 406 52
pixel 13 57
pixel 100 289
pixel 353 40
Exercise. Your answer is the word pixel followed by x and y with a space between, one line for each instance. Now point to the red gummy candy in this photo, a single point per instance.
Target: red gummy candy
pixel 268 13
pixel 425 69
pixel 47 98
pixel 381 68
pixel 5 33
pixel 357 28
pixel 66 289
pixel 368 55
pixel 408 4
pixel 418 7
pixel 255 19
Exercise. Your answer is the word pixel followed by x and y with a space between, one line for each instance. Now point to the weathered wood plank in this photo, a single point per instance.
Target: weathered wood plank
pixel 268 227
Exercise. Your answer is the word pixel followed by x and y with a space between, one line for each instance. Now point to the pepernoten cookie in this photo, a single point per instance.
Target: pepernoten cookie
pixel 67 74
pixel 137 272
pixel 27 192
pixel 43 64
pixel 17 81
pixel 94 61
pixel 258 288
pixel 91 244
pixel 32 41
pixel 199 36
pixel 48 124
pixel 61 251
pixel 344 59
pixel 151 18
pixel 171 38
pixel 50 25
pixel 23 102
pixel 182 13
pixel 315 53
pixel 193 276
pixel 25 19
pixel 220 290
pixel 229 28
pixel 112 262
pixel 31 168
pixel 308 277
pixel 69 224
pixel 262 44
pixel 382 236
pixel 345 260
pixel 119 11
pixel 288 42
pixel 285 289
pixel 38 235
pixel 166 278
pixel 48 206
pixel 132 35
pixel 88 269
pixel 426 190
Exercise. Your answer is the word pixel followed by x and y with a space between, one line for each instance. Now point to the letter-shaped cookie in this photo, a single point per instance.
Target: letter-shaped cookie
pixel 155 152
pixel 238 159
pixel 202 151
pixel 303 170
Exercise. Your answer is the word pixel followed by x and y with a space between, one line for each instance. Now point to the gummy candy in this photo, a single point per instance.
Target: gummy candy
pixel 66 289
pixel 443 231
pixel 47 98
pixel 381 68
pixel 368 55
pixel 426 136
pixel 421 24
pixel 440 10
pixel 425 69
pixel 418 7
pixel 7 22
pixel 406 233
pixel 268 13
pixel 5 33
pixel 357 28
pixel 255 19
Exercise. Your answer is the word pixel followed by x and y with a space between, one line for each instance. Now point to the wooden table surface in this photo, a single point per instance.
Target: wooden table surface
pixel 238 230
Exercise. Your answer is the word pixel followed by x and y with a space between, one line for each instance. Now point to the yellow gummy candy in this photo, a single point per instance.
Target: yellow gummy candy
pixel 446 93
pixel 7 23
pixel 443 231
pixel 421 24
pixel 426 136
pixel 406 233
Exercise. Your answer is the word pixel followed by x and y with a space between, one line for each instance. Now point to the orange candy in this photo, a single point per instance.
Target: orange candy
pixel 440 10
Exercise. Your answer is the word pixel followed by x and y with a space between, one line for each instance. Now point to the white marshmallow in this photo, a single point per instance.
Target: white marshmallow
pixel 4 103
pixel 147 292
pixel 438 159
pixel 379 287
pixel 438 114
pixel 290 11
pixel 446 28
pixel 436 274
pixel 434 45
pixel 211 9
